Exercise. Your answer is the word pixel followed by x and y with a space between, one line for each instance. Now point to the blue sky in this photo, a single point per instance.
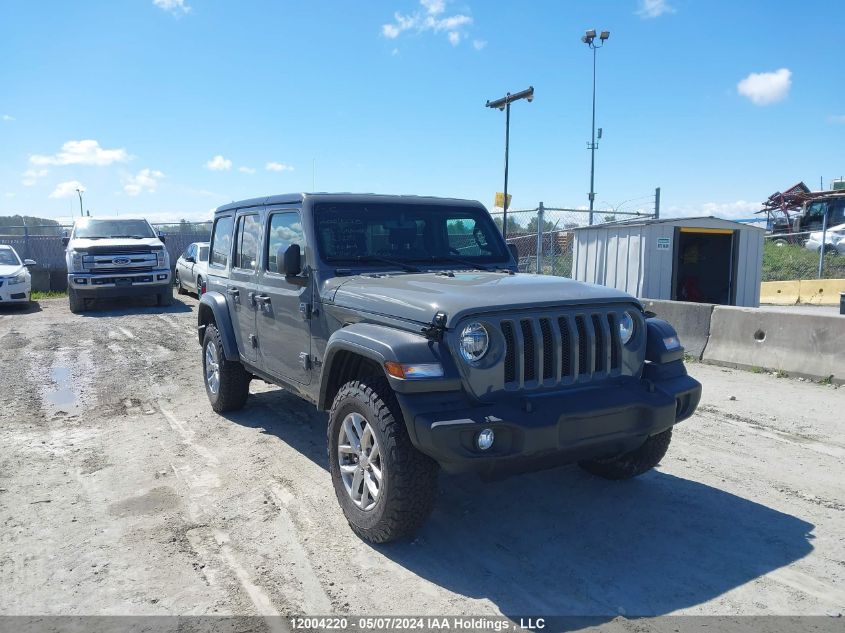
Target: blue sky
pixel 168 108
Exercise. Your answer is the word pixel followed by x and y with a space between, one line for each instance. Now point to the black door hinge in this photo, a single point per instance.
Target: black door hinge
pixel 435 331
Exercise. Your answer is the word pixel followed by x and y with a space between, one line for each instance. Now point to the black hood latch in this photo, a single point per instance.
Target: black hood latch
pixel 435 331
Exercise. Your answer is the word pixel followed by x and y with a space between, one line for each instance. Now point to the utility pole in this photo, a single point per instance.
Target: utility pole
pixel 79 191
pixel 589 39
pixel 505 104
pixel 657 203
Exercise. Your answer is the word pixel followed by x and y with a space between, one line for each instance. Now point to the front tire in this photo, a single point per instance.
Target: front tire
pixel 385 487
pixel 226 381
pixel 165 298
pixel 75 302
pixel 631 464
pixel 179 289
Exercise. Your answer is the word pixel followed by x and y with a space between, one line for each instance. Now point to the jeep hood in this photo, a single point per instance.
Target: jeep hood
pixel 81 243
pixel 418 297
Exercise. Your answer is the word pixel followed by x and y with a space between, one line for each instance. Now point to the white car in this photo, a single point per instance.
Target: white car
pixel 192 268
pixel 15 280
pixel 834 240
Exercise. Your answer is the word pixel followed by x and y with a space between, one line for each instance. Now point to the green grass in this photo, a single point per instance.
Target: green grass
pixel 37 295
pixel 785 263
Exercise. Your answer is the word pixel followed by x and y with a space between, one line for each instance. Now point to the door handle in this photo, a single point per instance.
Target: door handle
pixel 262 300
pixel 234 293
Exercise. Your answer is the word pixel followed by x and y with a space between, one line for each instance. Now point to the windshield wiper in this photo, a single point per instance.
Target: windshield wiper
pixel 393 262
pixel 133 237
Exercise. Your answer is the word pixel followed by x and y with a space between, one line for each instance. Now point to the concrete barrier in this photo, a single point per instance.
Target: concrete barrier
pixel 799 344
pixel 821 291
pixel 780 292
pixel 690 320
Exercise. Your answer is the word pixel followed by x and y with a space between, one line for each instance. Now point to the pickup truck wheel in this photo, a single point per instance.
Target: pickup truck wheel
pixel 226 381
pixel 631 464
pixel 75 302
pixel 166 298
pixel 384 485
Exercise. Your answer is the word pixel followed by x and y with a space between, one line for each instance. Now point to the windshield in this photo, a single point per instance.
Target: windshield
pixel 98 229
pixel 355 232
pixel 8 257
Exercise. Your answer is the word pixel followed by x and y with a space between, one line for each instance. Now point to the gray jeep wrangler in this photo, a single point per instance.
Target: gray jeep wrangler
pixel 406 319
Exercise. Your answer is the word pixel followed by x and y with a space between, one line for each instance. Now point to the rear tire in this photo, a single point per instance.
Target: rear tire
pixel 226 381
pixel 404 479
pixel 631 464
pixel 75 302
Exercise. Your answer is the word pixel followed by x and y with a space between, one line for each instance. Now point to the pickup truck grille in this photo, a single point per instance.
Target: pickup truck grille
pixel 561 348
pixel 116 262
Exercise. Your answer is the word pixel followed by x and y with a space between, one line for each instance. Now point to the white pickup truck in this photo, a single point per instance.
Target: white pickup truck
pixel 116 257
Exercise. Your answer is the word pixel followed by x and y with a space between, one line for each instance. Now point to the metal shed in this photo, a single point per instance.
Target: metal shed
pixel 703 260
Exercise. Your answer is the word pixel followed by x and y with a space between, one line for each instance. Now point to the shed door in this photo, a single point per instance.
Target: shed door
pixel 705 266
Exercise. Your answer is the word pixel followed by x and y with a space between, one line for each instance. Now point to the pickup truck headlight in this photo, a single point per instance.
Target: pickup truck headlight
pixel 160 258
pixel 75 262
pixel 17 279
pixel 474 342
pixel 626 327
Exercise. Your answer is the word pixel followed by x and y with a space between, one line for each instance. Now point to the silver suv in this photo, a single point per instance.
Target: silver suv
pixel 116 257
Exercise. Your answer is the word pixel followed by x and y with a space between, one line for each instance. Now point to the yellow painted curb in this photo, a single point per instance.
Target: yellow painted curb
pixel 780 292
pixel 820 291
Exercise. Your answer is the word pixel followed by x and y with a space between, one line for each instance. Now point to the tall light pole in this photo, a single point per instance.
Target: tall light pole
pixel 505 104
pixel 589 39
pixel 79 191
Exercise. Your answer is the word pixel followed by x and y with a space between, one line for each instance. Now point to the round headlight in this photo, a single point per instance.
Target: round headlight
pixel 474 342
pixel 626 327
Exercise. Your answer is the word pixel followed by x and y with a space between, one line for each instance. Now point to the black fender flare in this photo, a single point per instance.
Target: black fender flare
pixel 381 344
pixel 213 305
pixel 658 332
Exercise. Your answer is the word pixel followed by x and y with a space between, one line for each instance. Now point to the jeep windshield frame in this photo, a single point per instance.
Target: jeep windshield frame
pixel 92 228
pixel 411 234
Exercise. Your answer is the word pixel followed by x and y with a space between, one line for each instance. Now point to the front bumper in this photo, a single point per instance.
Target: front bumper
pixel 93 286
pixel 17 293
pixel 540 431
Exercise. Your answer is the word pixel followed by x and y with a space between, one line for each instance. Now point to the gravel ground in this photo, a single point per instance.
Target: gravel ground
pixel 121 492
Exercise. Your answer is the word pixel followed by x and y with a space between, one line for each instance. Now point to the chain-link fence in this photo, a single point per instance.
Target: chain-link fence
pixel 789 256
pixel 544 236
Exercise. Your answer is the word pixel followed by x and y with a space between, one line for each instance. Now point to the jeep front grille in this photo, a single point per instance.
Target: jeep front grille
pixel 548 350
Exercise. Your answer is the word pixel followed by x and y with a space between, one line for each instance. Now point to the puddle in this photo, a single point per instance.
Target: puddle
pixel 62 397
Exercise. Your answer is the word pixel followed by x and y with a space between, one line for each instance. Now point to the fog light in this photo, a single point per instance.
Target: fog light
pixel 485 439
pixel 81 281
pixel 162 277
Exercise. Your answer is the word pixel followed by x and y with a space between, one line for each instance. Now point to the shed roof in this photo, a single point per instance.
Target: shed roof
pixel 704 220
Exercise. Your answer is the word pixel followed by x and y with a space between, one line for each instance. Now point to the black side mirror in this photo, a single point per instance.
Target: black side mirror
pixel 29 263
pixel 190 259
pixel 161 237
pixel 65 240
pixel 514 251
pixel 289 262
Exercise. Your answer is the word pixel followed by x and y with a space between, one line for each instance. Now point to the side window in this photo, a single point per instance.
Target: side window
pixel 285 229
pixel 192 250
pixel 221 242
pixel 247 241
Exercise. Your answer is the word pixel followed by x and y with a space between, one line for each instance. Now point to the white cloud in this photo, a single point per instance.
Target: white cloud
pixel 67 189
pixel 8 117
pixel 766 88
pixel 430 19
pixel 737 210
pixel 479 44
pixel 836 118
pixel 653 9
pixel 218 163
pixel 174 7
pixel 9 194
pixel 87 152
pixel 246 170
pixel 272 166
pixel 144 180
pixel 31 176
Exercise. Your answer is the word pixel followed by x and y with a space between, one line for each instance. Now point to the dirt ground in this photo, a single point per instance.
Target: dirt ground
pixel 121 492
